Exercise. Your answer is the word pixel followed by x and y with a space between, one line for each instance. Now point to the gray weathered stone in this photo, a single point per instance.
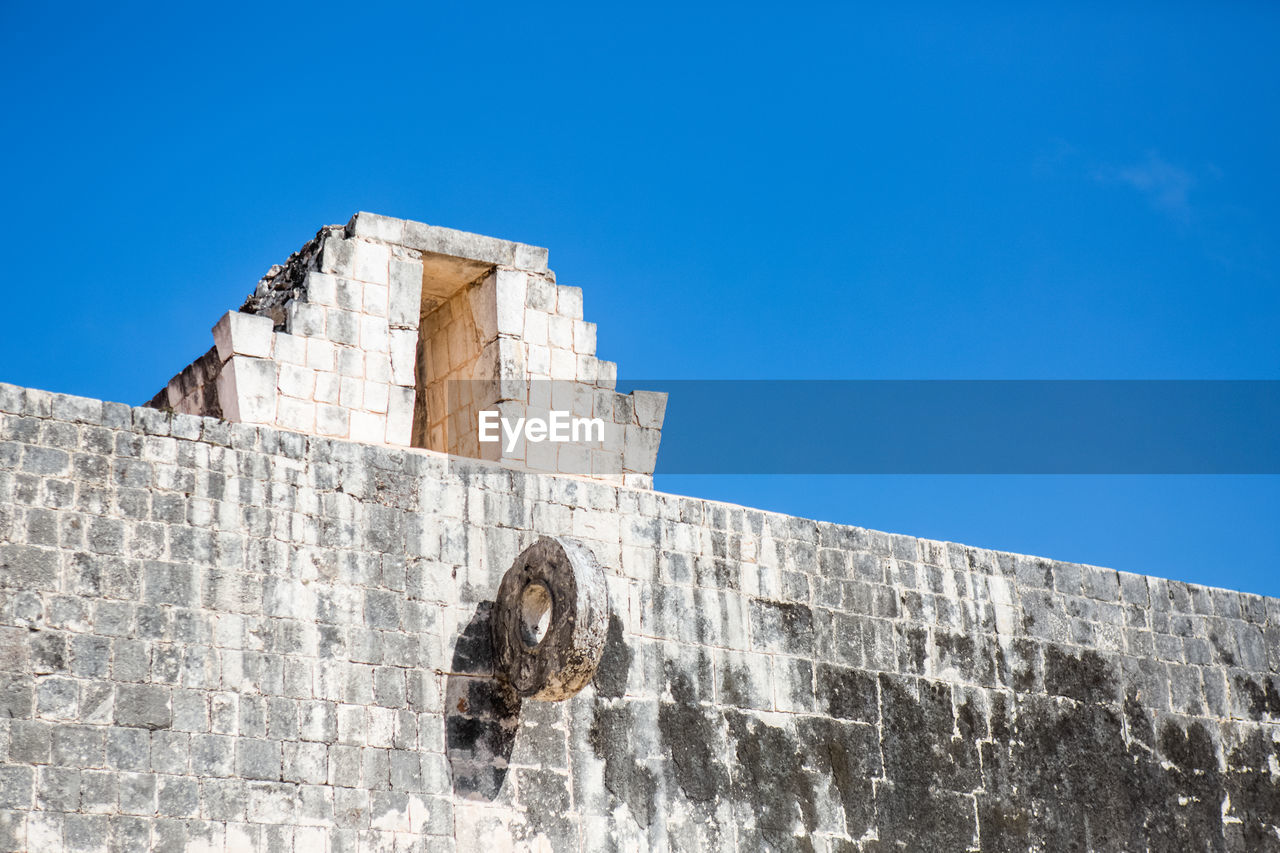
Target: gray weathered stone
pixel 143 706
pixel 290 646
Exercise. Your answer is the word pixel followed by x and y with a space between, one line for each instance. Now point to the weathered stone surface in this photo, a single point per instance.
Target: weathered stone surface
pixel 392 332
pixel 235 637
pixel 143 706
pixel 238 333
pixel 550 620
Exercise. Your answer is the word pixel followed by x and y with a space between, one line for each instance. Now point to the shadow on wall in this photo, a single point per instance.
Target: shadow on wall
pixel 482 715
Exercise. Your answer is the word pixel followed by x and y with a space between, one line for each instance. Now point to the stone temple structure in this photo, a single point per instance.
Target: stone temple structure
pixel 297 604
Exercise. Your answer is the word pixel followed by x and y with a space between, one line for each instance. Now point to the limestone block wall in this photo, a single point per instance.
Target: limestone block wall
pixel 195 389
pixel 221 636
pixel 388 331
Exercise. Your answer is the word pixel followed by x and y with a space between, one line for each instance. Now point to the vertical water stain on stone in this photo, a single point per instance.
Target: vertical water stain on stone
pixel 1254 792
pixel 1086 677
pixel 615 662
pixel 625 778
pixel 481 714
pixel 690 735
pixel 1005 772
pixel 769 777
pixel 849 755
pixel 1263 699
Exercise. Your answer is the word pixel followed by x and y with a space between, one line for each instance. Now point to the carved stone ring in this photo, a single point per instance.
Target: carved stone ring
pixel 550 620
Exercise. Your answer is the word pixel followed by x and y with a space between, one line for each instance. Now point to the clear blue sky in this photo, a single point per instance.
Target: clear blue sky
pixel 813 191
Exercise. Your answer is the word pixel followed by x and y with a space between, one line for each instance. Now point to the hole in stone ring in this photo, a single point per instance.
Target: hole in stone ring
pixel 535 613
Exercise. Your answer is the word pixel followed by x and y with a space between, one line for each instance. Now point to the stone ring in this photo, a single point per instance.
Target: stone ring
pixel 550 620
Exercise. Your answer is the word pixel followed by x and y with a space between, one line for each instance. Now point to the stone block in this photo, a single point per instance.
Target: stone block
pixel 405 294
pixel 640 449
pixel 376 227
pixel 11 398
pixel 258 759
pixel 143 706
pixel 483 301
pixel 30 741
pixel 138 793
pixel 296 381
pixel 297 415
pixel 224 799
pixel 585 369
pixel 374 334
pixel 541 295
pixel 58 789
pixel 321 354
pixel 212 755
pixel 404 356
pixel 332 421
pixel 290 349
pixel 351 392
pixel 607 374
pixel 247 390
pixel 350 362
pixel 1102 584
pixel 533 258
pixel 539 362
pixel 335 255
pixel 377 366
pixel 371 262
pixel 368 427
pixel 37 403
pixel 26 567
pixel 569 302
pixel 564 365
pixel 375 396
pixel 322 288
pixel 302 319
pixel 98 791
pixel 328 386
pixel 17 787
pixel 45 461
pixel 375 300
pixel 510 289
pixel 535 327
pixel 306 762
pixel 478 248
pixel 400 416
pixel 128 749
pixel 77 410
pixel 560 332
pixel 178 796
pixel 243 334
pixel 744 680
pixel 584 337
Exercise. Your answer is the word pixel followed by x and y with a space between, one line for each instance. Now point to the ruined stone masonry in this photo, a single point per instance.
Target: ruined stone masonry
pixel 393 332
pixel 256 616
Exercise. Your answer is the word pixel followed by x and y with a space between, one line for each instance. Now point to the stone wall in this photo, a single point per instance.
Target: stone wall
pixel 388 331
pixel 222 636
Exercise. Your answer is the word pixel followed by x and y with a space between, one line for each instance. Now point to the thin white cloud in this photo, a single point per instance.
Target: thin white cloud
pixel 1167 187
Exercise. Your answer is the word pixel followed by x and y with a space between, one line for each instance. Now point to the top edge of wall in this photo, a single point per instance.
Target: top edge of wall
pixel 20 401
pixel 438 240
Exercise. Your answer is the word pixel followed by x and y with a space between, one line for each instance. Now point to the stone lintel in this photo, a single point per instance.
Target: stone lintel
pixel 451 259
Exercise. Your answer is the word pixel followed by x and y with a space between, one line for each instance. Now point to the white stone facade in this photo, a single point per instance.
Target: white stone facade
pixel 242 639
pixel 394 332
